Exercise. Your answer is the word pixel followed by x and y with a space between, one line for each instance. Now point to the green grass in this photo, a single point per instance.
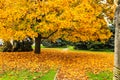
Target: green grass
pixel 48 76
pixel 33 46
pixel 104 75
pixel 80 51
pixel 27 75
pixel 71 48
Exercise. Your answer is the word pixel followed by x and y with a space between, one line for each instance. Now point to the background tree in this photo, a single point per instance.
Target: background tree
pixel 71 20
pixel 15 46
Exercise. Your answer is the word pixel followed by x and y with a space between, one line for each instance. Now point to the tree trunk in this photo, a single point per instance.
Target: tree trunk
pixel 37 44
pixel 116 70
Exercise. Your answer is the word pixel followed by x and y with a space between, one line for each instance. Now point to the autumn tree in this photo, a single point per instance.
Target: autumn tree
pixel 72 20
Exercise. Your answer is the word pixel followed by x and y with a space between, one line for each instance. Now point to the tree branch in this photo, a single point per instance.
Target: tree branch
pixel 49 35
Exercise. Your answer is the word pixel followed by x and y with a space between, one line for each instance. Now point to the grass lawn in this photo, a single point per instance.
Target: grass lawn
pixel 71 48
pixel 73 65
pixel 79 51
pixel 27 75
pixel 104 75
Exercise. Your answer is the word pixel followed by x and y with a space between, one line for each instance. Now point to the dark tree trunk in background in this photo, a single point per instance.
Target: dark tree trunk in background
pixel 37 44
pixel 7 46
pixel 17 46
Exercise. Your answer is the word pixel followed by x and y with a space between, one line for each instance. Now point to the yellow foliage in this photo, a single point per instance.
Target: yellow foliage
pixel 74 20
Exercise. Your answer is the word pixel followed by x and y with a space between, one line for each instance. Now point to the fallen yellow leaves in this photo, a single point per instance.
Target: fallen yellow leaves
pixel 72 65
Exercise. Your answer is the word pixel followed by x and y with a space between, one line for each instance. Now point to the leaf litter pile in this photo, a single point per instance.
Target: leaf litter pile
pixel 71 65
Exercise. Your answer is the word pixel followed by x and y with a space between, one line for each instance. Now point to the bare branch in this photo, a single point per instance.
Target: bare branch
pixel 49 35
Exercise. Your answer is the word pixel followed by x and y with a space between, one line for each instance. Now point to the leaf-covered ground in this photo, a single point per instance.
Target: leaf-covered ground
pixel 71 65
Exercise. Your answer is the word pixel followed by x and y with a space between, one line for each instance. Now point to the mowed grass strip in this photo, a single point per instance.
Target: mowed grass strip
pixel 72 64
pixel 103 75
pixel 27 75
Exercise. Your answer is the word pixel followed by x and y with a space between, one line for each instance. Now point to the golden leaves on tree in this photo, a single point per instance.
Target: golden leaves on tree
pixel 74 20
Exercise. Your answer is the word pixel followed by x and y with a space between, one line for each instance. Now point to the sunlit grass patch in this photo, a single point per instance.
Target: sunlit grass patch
pixel 49 76
pixel 104 75
pixel 27 75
